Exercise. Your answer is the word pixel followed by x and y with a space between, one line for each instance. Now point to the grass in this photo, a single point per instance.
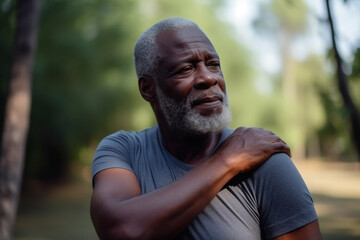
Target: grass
pixel 55 213
pixel 335 188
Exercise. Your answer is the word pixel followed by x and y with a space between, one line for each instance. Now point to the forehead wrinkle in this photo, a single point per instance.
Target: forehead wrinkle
pixel 184 38
pixel 186 53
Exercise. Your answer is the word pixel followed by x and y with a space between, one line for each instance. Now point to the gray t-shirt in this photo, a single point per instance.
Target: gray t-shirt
pixel 262 204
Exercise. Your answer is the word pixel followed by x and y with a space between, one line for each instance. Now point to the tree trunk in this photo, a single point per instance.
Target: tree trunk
pixel 17 113
pixel 343 86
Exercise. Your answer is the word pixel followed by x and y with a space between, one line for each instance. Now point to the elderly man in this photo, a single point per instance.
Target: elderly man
pixel 191 177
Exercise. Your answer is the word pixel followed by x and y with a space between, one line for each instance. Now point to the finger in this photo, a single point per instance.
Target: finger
pixel 277 139
pixel 282 147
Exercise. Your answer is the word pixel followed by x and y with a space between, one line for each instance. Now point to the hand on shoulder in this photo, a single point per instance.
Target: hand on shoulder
pixel 248 147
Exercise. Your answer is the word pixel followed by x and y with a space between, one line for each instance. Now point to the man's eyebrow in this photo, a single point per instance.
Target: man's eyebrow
pixel 190 59
pixel 213 55
pixel 193 58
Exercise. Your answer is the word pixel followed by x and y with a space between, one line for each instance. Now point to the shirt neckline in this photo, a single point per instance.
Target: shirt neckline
pixel 181 164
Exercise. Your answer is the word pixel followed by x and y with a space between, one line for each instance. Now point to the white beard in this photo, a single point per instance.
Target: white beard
pixel 186 121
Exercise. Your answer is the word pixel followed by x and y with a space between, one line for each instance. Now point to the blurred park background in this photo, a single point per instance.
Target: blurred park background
pixel 279 64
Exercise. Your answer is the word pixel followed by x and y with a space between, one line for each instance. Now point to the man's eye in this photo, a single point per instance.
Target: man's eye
pixel 214 65
pixel 185 69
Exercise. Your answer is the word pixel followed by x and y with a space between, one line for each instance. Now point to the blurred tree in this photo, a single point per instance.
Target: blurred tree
pixel 83 77
pixel 285 20
pixel 334 134
pixel 343 85
pixel 297 123
pixel 17 113
pixel 354 83
pixel 310 76
pixel 356 65
pixel 7 24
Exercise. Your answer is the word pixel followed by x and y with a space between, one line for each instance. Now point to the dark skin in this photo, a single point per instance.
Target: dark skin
pixel 189 66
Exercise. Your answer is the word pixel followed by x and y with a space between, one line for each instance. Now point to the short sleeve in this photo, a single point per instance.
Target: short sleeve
pixel 112 152
pixel 284 201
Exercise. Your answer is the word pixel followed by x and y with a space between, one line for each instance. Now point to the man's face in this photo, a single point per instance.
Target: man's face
pixel 190 86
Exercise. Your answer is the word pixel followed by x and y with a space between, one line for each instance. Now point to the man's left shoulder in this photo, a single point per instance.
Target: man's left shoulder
pixel 278 165
pixel 280 174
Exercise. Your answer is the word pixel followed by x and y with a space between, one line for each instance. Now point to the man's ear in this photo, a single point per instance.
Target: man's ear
pixel 147 88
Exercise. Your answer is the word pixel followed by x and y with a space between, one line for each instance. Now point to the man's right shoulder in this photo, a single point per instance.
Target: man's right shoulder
pixel 124 135
pixel 121 149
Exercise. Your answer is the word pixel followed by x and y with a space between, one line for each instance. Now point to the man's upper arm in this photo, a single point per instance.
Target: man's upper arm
pixel 310 231
pixel 114 151
pixel 111 186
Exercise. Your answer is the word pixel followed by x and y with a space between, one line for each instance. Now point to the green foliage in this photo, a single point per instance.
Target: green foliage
pixel 356 65
pixel 313 120
pixel 292 14
pixel 82 82
pixel 354 83
pixel 289 16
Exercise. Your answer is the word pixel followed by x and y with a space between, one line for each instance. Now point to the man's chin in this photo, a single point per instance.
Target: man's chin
pixel 198 124
pixel 207 111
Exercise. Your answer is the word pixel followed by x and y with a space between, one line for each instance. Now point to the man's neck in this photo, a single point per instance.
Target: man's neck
pixel 190 149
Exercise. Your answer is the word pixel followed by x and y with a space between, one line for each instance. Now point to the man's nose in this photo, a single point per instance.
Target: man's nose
pixel 204 78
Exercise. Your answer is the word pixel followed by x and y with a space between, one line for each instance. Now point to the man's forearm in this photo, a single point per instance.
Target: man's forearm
pixel 164 212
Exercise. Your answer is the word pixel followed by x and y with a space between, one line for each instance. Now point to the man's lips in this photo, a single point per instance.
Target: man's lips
pixel 207 100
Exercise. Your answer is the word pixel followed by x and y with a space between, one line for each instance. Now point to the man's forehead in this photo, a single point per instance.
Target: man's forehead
pixel 181 38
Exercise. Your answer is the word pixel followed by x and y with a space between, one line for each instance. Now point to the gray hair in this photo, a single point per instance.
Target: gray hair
pixel 146 53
